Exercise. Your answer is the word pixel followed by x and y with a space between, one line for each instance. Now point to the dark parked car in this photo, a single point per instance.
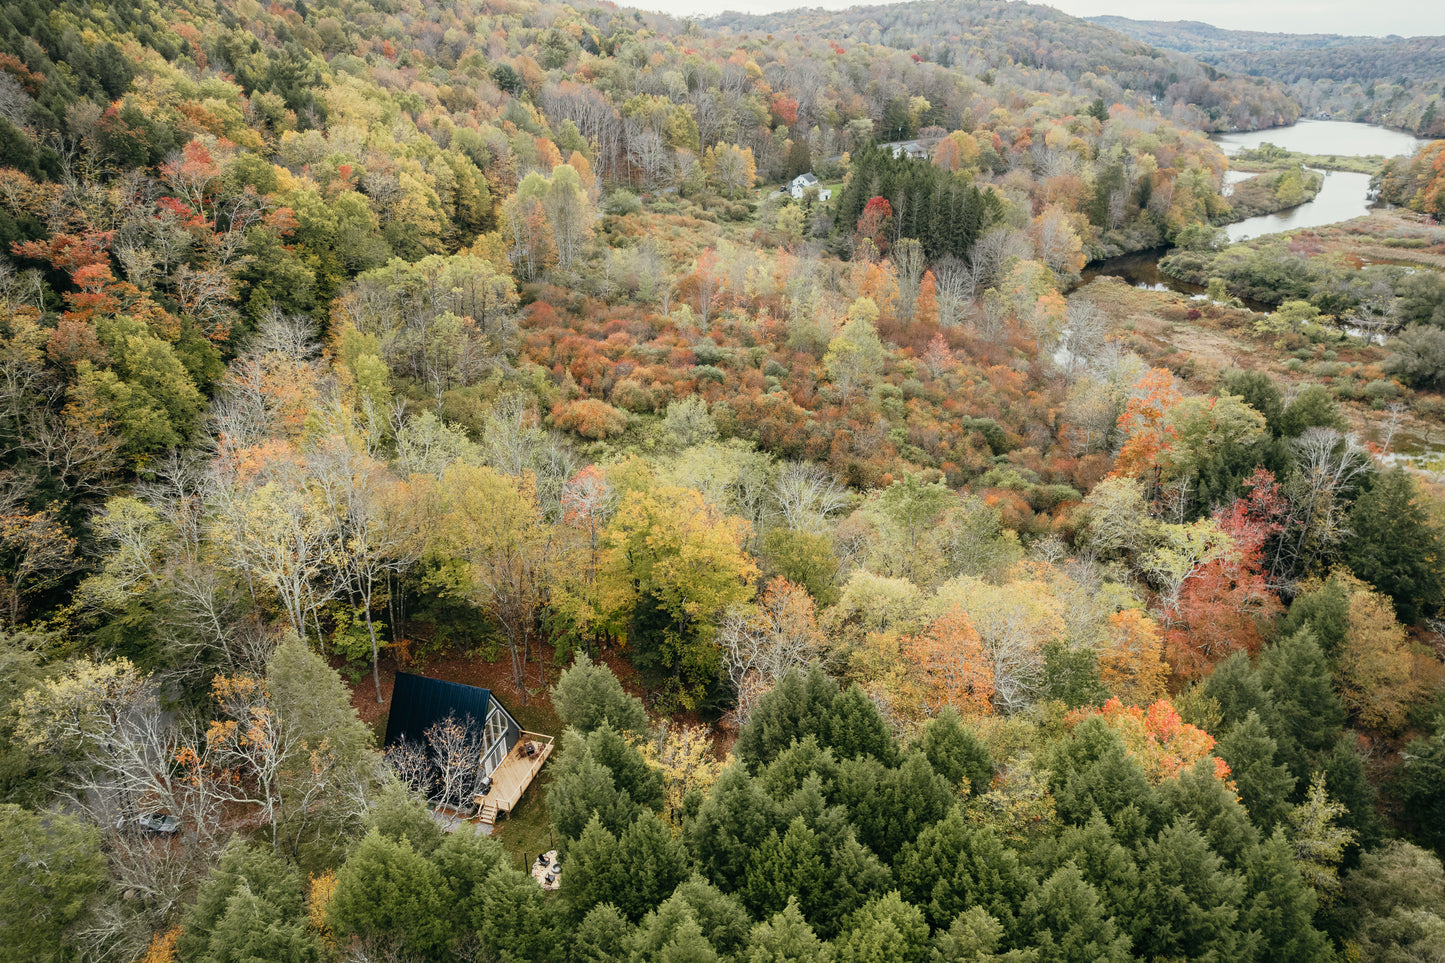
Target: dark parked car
pixel 163 823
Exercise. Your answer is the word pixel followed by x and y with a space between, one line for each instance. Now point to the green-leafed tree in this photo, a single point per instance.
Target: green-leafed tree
pixel 1067 922
pixel 956 753
pixel 956 864
pixel 1280 906
pixel 587 694
pixel 887 928
pixel 54 868
pixel 734 819
pixel 1264 785
pixel 1396 545
pixel 1308 716
pixel 388 894
pixel 1193 900
pixel 785 937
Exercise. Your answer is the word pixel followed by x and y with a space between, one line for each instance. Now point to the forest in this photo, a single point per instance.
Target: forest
pixel 893 590
pixel 1392 81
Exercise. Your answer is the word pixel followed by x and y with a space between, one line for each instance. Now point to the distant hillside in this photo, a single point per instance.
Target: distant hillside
pixel 1052 48
pixel 1194 37
pixel 1394 81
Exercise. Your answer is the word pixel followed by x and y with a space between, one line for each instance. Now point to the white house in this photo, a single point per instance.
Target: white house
pixel 805 182
pixel 909 148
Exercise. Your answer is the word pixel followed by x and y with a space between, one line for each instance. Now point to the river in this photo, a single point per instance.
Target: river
pixel 1343 196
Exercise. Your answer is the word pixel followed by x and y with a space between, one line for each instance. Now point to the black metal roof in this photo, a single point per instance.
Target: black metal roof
pixel 417 703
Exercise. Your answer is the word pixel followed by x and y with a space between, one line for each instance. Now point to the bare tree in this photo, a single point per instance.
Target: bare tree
pixel 807 494
pixel 762 643
pixel 908 256
pixel 1327 463
pixel 1085 327
pixel 957 286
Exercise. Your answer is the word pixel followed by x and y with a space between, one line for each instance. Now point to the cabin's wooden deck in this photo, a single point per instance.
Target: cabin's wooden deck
pixel 511 779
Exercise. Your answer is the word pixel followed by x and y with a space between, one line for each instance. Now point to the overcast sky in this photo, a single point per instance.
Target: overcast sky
pixel 1408 18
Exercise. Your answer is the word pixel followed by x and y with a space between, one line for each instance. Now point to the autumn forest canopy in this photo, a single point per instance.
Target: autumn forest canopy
pixel 894 588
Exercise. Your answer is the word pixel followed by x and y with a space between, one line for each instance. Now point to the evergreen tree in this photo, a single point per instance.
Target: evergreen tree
pixel 955 864
pixel 397 813
pixel 1264 786
pixel 889 807
pixel 785 871
pixel 1308 714
pixel 593 875
pixel 1280 906
pixel 1396 545
pixel 1421 786
pixel 1090 771
pixel 514 919
pixel 720 920
pixel 854 875
pixel 886 929
pixel 854 728
pixel 588 694
pixel 1325 611
pixel 600 773
pixel 1102 862
pixel 736 816
pixel 602 937
pixel 1067 922
pixel 1212 808
pixel 976 937
pixel 956 753
pixel 1191 901
pixel 54 866
pixel 253 928
pixel 785 937
pixel 465 860
pixel 272 894
pixel 390 895
pixel 651 863
pixel 1350 786
pixel 796 765
pixel 799 705
pixel 1239 690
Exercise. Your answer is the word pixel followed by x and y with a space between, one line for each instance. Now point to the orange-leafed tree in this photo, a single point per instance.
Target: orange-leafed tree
pixel 785 108
pixel 761 643
pixel 925 308
pixel 1163 743
pixel 1131 663
pixel 1147 433
pixel 950 666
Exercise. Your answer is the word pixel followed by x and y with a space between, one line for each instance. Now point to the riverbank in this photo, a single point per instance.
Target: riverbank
pixel 1271 194
pixel 1267 157
pixel 1329 265
pixel 1201 340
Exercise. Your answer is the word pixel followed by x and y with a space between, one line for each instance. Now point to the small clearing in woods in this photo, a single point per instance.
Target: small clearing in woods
pixel 527 831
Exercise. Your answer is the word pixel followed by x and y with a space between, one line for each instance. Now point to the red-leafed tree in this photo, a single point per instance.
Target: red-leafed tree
pixel 875 224
pixel 1221 608
pixel 785 109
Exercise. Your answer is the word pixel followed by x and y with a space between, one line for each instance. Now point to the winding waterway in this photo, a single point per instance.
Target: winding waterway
pixel 1343 196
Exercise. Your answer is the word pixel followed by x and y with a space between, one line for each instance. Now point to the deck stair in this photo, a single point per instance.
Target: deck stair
pixel 513 775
